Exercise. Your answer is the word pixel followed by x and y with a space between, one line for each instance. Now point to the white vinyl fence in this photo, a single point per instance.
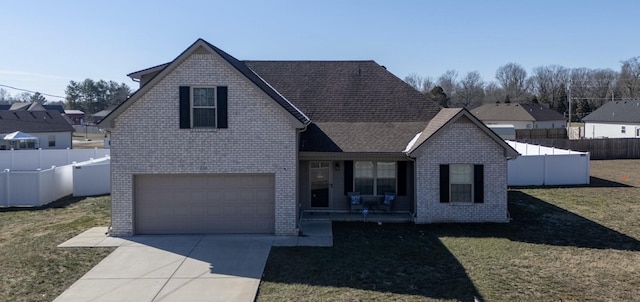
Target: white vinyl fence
pixel 545 166
pixel 30 160
pixel 38 177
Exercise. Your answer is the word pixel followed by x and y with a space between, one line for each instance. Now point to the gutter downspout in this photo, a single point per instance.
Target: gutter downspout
pixel 297 178
pixel 108 232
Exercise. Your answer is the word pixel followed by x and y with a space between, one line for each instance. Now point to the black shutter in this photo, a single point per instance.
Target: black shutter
pixel 444 183
pixel 348 176
pixel 185 107
pixel 222 106
pixel 478 183
pixel 402 178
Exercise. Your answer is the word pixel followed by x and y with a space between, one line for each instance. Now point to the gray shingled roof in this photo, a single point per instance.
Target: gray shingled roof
pixel 33 121
pixel 516 112
pixel 616 112
pixel 359 136
pixel 356 106
pixel 346 91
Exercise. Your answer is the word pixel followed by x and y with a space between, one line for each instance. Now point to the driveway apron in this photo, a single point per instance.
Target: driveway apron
pixel 177 268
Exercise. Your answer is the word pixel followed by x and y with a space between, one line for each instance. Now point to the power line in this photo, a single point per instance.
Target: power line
pixel 26 90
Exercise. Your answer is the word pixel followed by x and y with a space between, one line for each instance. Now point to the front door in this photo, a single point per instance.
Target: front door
pixel 319 178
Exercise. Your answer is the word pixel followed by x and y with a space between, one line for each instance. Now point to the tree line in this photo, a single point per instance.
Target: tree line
pixel 7 98
pixel 92 96
pixel 88 96
pixel 551 85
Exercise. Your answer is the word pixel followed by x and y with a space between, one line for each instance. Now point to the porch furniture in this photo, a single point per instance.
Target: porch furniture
pixel 355 201
pixel 387 202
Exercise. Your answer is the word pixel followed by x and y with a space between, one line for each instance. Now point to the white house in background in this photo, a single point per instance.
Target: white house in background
pixel 615 119
pixel 521 116
pixel 50 127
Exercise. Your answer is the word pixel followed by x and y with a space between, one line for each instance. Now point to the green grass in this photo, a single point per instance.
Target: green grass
pixel 564 244
pixel 33 268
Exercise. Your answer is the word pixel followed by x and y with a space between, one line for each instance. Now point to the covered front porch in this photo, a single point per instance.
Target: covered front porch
pixel 326 180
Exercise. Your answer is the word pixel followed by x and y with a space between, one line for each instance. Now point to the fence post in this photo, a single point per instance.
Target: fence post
pixel 7 171
pixel 8 187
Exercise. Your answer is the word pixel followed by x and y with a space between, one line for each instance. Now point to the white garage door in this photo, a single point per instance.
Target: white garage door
pixel 204 203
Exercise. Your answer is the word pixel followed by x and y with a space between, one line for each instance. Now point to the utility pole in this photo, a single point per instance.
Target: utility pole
pixel 569 99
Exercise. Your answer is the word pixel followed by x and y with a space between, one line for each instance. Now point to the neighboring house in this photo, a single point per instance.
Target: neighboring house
pixel 244 146
pixel 50 127
pixel 615 119
pixel 31 106
pixel 521 116
pixel 98 116
pixel 75 116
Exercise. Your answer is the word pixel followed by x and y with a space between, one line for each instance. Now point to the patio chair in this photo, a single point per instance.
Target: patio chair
pixel 355 201
pixel 386 205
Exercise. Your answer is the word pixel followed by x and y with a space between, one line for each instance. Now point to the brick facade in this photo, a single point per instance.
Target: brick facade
pixel 461 142
pixel 261 138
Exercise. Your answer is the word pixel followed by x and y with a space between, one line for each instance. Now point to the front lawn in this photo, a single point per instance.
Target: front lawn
pixel 32 267
pixel 563 244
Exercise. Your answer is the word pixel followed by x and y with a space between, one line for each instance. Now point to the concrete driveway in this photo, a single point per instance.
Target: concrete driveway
pixel 181 267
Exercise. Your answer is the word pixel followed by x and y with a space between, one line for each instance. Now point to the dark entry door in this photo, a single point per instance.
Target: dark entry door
pixel 320 184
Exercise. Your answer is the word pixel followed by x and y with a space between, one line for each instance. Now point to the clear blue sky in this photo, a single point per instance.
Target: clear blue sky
pixel 45 44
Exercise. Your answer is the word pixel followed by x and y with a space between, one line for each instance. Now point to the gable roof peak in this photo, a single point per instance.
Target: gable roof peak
pixel 446 117
pixel 235 63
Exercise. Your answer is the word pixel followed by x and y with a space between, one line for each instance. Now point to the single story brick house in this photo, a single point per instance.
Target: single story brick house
pixel 244 146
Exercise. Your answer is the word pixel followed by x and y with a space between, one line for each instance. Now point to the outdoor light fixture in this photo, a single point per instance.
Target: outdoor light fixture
pixel 337 166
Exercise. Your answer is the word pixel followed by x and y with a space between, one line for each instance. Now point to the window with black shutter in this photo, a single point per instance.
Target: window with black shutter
pixel 203 107
pixel 462 183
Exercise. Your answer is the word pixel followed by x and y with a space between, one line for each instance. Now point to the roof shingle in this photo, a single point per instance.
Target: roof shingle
pixel 516 112
pixel 33 121
pixel 616 112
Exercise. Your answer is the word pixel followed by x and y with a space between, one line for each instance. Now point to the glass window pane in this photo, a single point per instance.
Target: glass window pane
pixel 461 193
pixel 385 185
pixel 364 186
pixel 204 97
pixel 363 169
pixel 204 117
pixel 386 170
pixel 461 174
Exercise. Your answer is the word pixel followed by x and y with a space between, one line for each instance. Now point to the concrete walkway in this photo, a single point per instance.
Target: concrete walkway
pixel 182 267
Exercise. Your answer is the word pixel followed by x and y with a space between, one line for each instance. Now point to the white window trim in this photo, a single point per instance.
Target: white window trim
pixel 215 106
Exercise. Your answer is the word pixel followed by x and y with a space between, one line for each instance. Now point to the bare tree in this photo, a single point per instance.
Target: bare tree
pixel 4 96
pixel 448 82
pixel 422 84
pixel 513 79
pixel 22 97
pixel 629 82
pixel 545 80
pixel 493 93
pixel 604 84
pixel 580 83
pixel 470 89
